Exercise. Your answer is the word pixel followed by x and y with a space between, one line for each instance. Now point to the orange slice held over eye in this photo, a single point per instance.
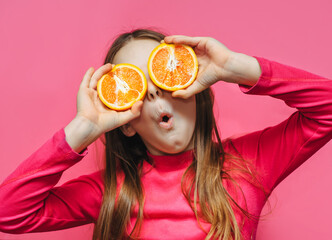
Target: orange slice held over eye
pixel 120 88
pixel 172 67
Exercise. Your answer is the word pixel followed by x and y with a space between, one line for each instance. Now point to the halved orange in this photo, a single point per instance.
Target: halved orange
pixel 172 67
pixel 120 88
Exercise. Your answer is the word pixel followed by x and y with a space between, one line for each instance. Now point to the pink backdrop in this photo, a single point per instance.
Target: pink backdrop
pixel 46 47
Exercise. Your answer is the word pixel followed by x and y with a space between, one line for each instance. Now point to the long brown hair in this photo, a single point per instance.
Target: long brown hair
pixel 201 182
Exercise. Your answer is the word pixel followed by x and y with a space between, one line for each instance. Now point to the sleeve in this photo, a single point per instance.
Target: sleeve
pixel 31 203
pixel 278 150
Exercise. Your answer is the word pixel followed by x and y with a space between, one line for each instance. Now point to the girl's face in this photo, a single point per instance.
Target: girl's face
pixel 166 124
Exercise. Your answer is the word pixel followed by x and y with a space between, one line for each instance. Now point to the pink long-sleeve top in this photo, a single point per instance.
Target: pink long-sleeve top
pixel 31 203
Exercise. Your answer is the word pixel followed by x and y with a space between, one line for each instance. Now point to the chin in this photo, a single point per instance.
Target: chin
pixel 170 147
pixel 176 149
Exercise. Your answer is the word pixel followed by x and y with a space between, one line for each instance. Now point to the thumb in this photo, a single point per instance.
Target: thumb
pixel 134 112
pixel 193 89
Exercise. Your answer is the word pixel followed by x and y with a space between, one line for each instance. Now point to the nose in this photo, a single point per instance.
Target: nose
pixel 153 92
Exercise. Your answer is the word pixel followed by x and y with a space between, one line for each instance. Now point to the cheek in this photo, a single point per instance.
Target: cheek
pixel 187 110
pixel 143 120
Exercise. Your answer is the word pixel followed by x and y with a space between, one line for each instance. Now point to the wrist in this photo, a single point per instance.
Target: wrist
pixel 80 133
pixel 242 69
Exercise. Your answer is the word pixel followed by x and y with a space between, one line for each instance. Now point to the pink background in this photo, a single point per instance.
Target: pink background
pixel 46 47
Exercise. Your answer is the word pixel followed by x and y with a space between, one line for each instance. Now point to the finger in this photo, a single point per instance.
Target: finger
pixel 193 89
pixel 99 73
pixel 172 37
pixel 137 107
pixel 99 104
pixel 134 112
pixel 179 39
pixel 87 77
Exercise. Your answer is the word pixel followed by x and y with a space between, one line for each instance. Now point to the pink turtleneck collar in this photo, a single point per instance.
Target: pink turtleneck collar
pixel 172 162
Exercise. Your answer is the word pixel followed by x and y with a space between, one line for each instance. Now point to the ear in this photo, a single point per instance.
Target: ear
pixel 128 130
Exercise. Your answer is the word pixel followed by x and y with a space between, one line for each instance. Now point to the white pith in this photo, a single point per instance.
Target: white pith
pixel 121 85
pixel 172 61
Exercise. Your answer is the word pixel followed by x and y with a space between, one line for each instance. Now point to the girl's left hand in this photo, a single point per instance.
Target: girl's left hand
pixel 212 57
pixel 216 62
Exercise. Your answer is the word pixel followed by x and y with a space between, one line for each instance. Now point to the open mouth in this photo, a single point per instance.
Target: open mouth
pixel 166 121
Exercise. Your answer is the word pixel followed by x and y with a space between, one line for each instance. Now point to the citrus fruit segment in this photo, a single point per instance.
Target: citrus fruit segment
pixel 120 88
pixel 172 67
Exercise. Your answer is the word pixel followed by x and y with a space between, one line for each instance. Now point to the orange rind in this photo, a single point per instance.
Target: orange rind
pixel 120 88
pixel 172 67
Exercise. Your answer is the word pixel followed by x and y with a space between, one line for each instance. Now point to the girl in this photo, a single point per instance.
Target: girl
pixel 179 182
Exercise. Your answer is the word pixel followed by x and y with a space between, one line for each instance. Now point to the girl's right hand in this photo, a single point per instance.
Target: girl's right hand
pixel 93 118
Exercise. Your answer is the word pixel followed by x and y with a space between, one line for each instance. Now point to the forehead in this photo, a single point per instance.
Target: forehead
pixel 136 52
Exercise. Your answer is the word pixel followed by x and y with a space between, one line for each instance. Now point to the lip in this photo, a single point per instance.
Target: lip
pixel 165 125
